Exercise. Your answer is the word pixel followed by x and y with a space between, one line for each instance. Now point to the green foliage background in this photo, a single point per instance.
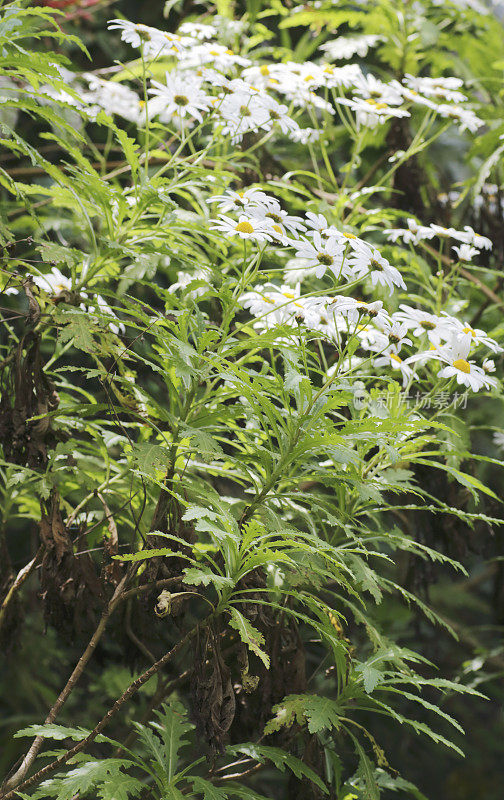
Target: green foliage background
pixel 420 518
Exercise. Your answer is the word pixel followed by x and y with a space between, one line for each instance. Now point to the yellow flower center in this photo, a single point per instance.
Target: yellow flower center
pixel 350 235
pixel 396 358
pixel 264 70
pixel 289 295
pixel 376 105
pixel 462 365
pixel 244 227
pixel 467 329
pixel 278 229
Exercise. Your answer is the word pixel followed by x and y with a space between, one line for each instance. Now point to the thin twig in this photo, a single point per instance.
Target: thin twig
pixel 80 746
pixel 20 578
pixel 70 684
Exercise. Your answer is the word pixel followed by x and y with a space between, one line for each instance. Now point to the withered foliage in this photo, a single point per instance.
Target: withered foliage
pixel 213 696
pixel 70 586
pixel 27 392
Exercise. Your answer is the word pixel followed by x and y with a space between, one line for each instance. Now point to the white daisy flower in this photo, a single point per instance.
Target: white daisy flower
pixel 275 304
pixel 185 278
pixel 414 233
pixel 498 439
pixel 488 365
pixel 180 95
pixel 297 270
pixel 113 98
pixel 442 232
pixel 467 119
pixel 280 221
pixel 469 236
pixel 278 115
pixel 344 47
pixel 322 253
pixel 465 252
pixel 420 322
pixel 395 330
pixel 371 88
pixel 242 113
pixel 245 228
pixel 247 199
pixel 370 112
pixel 317 222
pixel 104 308
pixel 455 355
pixel 220 56
pixel 390 358
pixel 366 260
pixel 341 77
pixel 478 337
pixel 355 310
pixel 53 282
pixel 439 88
pixel 137 35
pixel 305 135
pixel 197 29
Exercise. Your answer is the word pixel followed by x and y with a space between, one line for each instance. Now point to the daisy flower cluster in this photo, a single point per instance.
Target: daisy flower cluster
pixel 208 83
pixel 205 80
pixel 209 80
pixel 324 251
pixel 471 243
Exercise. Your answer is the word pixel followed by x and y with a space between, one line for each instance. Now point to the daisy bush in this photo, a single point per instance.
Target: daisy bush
pixel 251 339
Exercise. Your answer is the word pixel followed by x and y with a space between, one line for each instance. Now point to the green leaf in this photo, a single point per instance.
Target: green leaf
pixel 208 790
pixel 371 677
pixel 202 576
pixel 249 635
pixel 77 327
pixel 150 457
pixel 280 759
pixel 172 728
pixel 319 713
pixel 51 731
pixel 100 776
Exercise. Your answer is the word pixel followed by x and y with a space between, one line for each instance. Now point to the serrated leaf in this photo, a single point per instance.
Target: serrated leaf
pixel 371 677
pixel 202 576
pixel 150 457
pixel 208 790
pixel 99 776
pixel 249 635
pixel 280 759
